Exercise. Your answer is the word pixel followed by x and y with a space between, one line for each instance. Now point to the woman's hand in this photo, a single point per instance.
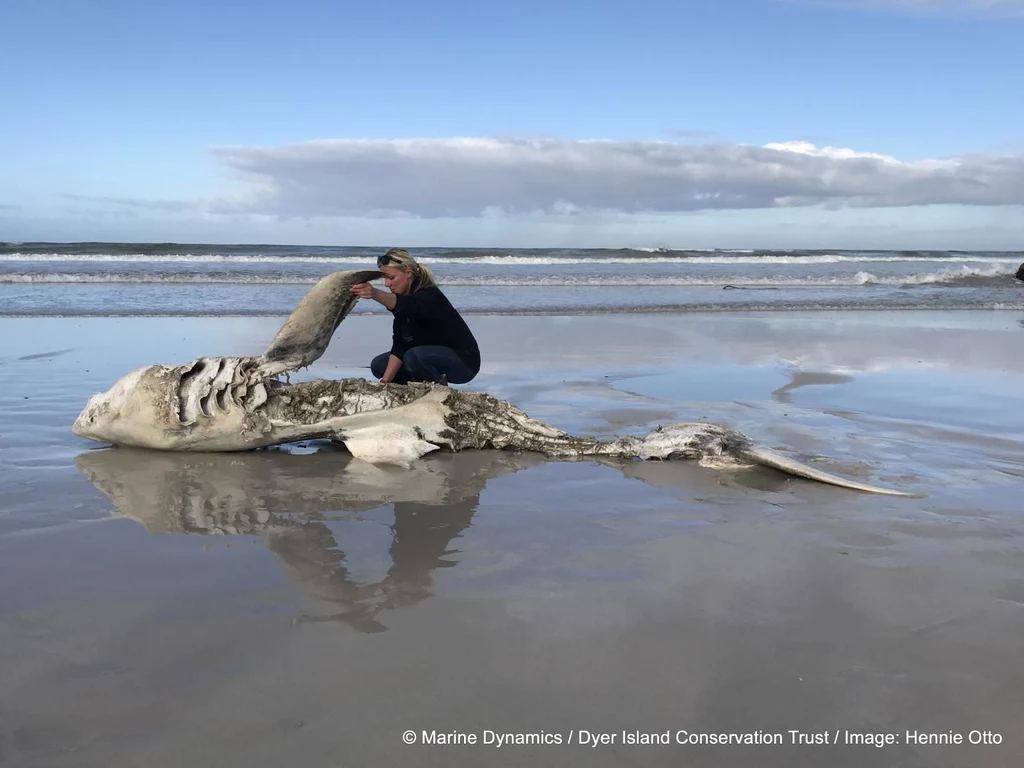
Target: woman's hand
pixel 367 291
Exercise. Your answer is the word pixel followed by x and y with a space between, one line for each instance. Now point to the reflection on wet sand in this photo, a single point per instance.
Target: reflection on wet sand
pixel 288 499
pixel 807 379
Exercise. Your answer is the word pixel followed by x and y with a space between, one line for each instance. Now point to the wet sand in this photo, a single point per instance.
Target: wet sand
pixel 299 606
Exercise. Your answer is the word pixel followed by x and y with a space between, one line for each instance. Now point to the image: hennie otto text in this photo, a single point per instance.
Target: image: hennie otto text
pixel 839 737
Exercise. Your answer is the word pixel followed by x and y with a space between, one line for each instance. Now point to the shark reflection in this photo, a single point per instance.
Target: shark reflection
pixel 800 379
pixel 288 501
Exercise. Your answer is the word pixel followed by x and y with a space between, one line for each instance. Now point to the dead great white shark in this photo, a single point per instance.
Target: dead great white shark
pixel 238 404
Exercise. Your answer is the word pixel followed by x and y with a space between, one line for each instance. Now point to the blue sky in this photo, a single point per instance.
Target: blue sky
pixel 738 123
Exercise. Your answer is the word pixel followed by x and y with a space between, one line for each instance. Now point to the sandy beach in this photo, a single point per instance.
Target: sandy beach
pixel 302 607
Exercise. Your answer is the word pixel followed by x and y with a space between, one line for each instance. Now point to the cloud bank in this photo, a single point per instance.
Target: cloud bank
pixel 472 177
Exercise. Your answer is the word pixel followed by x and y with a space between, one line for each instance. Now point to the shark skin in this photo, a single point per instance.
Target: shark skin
pixel 216 404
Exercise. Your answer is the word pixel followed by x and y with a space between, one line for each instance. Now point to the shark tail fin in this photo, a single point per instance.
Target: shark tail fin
pixel 768 458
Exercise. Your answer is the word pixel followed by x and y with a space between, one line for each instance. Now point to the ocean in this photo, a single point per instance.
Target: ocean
pixel 126 279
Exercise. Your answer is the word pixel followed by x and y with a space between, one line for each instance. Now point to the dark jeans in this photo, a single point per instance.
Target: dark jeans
pixel 426 364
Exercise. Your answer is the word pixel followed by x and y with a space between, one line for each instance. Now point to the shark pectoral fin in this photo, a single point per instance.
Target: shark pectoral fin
pixel 768 458
pixel 308 330
pixel 390 435
pixel 386 443
pixel 398 435
pixel 437 395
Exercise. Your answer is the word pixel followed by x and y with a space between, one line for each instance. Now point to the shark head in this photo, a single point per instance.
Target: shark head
pixel 212 403
pixel 128 412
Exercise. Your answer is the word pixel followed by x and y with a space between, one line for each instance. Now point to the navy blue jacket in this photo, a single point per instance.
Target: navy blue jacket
pixel 426 318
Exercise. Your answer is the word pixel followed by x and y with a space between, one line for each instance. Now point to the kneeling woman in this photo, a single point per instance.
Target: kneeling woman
pixel 430 340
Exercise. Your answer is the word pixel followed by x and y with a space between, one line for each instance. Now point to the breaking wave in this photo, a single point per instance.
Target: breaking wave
pixel 586 309
pixel 655 257
pixel 962 275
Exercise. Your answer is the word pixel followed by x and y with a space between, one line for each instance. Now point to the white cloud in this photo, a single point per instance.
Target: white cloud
pixel 807 148
pixel 469 177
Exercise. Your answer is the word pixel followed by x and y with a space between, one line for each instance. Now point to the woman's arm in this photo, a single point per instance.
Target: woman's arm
pixel 394 363
pixel 388 301
pixel 366 291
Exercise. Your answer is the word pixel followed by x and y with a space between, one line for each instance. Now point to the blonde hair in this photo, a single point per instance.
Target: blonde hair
pixel 422 277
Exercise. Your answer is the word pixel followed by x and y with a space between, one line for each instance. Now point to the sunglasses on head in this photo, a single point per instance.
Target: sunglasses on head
pixel 383 261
